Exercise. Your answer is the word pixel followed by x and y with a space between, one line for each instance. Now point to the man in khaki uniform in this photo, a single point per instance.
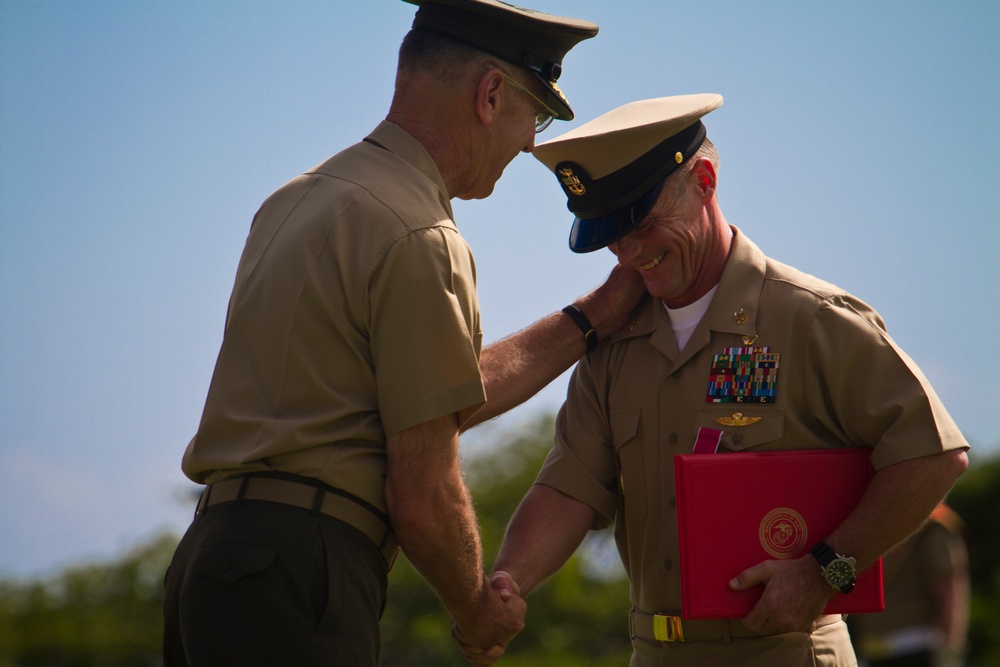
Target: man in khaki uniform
pixel 642 181
pixel 926 617
pixel 351 361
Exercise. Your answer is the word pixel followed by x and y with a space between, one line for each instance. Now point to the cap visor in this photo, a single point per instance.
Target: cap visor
pixel 590 234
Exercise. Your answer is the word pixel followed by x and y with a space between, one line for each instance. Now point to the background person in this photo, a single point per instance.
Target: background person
pixel 926 617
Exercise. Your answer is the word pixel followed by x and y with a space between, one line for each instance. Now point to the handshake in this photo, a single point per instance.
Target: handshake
pixel 498 615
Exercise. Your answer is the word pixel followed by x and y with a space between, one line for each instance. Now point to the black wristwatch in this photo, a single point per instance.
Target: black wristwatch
pixel 838 570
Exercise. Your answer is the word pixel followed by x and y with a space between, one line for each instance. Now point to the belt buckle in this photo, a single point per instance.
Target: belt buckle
pixel 668 628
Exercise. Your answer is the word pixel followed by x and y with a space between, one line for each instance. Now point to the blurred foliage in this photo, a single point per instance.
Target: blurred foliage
pixel 105 615
pixel 109 615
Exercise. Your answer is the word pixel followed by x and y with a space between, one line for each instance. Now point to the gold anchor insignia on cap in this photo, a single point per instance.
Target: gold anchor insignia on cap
pixel 737 420
pixel 571 181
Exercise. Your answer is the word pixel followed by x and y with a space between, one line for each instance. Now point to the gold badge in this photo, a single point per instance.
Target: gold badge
pixel 678 157
pixel 741 317
pixel 571 182
pixel 783 533
pixel 737 420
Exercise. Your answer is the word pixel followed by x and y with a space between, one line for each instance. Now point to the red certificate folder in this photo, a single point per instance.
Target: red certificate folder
pixel 735 510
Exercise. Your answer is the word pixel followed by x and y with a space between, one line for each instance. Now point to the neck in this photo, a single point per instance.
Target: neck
pixel 421 106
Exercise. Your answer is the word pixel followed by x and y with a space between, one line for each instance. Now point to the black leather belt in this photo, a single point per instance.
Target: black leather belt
pixel 316 497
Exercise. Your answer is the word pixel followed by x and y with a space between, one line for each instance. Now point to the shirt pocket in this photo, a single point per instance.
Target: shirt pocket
pixel 631 467
pixel 743 427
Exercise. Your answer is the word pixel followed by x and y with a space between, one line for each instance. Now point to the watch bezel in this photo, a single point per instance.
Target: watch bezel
pixel 838 570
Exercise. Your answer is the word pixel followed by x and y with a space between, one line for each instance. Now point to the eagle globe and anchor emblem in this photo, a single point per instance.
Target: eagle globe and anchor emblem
pixel 783 533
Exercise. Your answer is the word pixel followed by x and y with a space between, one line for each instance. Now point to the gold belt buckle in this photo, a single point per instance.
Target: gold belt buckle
pixel 668 628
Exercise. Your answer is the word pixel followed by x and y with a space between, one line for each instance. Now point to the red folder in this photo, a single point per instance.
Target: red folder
pixel 735 510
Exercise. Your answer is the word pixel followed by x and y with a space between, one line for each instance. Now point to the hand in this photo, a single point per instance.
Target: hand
pixel 498 619
pixel 609 306
pixel 794 595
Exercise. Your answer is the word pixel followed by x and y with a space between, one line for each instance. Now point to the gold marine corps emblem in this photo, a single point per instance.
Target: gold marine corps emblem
pixel 571 181
pixel 783 533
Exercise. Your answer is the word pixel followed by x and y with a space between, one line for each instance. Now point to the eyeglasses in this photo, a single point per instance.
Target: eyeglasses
pixel 543 118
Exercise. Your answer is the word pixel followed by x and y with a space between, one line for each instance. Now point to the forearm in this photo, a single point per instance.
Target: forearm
pixel 433 516
pixel 546 529
pixel 898 501
pixel 517 367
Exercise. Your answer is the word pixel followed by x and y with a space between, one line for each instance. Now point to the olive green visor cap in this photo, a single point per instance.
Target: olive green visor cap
pixel 527 38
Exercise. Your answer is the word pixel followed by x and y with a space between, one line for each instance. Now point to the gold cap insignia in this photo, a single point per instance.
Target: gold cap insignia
pixel 571 182
pixel 678 157
pixel 737 420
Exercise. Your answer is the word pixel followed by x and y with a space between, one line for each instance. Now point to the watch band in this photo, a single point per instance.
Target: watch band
pixel 823 554
pixel 589 333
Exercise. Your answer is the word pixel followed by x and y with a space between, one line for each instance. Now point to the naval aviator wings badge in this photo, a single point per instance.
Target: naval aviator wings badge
pixel 744 375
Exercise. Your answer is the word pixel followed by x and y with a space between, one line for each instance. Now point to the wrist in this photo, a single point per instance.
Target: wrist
pixel 590 337
pixel 837 569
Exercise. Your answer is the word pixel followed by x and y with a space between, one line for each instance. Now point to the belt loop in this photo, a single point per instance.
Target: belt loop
pixel 242 490
pixel 318 501
pixel 727 631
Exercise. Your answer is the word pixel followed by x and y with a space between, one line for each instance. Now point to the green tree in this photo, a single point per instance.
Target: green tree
pixel 104 615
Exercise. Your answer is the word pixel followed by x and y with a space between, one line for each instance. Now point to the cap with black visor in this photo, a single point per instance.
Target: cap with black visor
pixel 535 41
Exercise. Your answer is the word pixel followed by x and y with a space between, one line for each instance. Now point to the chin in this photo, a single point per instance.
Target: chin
pixel 482 193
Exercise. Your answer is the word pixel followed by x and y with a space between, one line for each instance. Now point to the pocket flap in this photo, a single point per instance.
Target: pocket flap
pixel 228 563
pixel 624 425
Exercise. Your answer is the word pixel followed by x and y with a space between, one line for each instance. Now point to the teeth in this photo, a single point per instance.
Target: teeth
pixel 652 264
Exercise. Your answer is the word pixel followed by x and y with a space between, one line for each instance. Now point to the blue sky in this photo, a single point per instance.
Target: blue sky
pixel 859 142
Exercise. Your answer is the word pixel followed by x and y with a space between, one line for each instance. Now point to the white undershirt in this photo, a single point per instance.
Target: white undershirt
pixel 684 320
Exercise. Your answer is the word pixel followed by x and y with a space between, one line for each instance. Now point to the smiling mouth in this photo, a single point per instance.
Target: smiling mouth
pixel 652 263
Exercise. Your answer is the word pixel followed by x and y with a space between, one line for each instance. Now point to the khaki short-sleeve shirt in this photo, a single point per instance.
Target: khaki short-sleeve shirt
pixel 637 400
pixel 354 316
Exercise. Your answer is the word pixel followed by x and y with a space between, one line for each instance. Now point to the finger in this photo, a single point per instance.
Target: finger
pixel 748 578
pixel 505 585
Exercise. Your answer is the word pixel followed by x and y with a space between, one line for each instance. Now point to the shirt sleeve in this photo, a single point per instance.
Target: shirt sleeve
pixel 879 397
pixel 582 461
pixel 425 330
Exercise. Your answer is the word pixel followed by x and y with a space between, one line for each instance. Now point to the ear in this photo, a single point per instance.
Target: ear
pixel 705 177
pixel 488 95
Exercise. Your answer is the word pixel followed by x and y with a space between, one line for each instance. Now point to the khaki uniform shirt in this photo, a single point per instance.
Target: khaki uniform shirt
pixel 637 400
pixel 354 316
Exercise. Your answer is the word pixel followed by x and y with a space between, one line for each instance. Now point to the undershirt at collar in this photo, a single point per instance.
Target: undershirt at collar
pixel 683 320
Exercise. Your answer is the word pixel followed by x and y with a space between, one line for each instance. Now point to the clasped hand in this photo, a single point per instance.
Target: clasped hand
pixel 500 616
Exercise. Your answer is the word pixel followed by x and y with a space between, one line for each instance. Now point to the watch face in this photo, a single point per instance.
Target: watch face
pixel 839 573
